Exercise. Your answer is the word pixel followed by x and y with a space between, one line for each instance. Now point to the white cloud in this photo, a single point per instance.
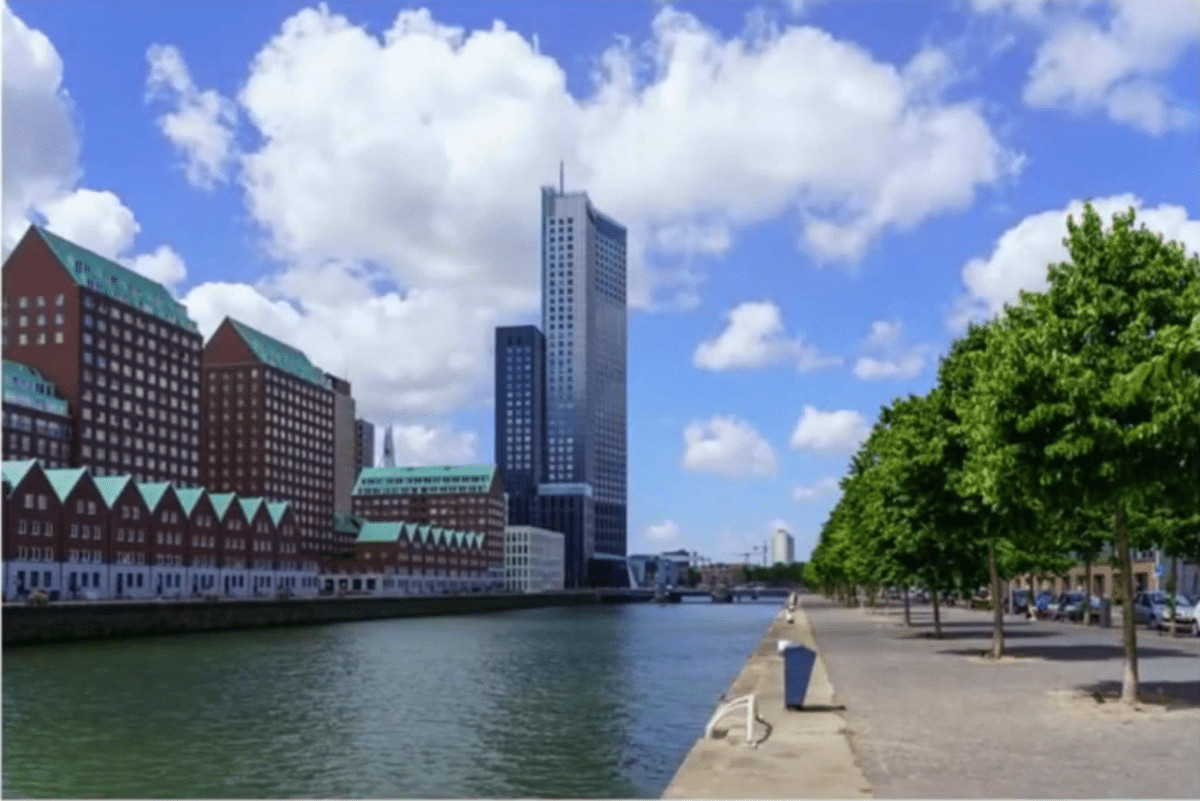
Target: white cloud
pixel 727 446
pixel 418 445
pixel 817 430
pixel 40 163
pixel 1021 255
pixel 823 488
pixel 1115 62
pixel 884 357
pixel 40 148
pixel 754 337
pixel 201 124
pixel 163 265
pixel 664 532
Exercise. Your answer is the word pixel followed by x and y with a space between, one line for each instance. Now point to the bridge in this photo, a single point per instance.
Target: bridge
pixel 738 593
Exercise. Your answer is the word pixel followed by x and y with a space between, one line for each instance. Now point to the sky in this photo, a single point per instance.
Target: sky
pixel 819 195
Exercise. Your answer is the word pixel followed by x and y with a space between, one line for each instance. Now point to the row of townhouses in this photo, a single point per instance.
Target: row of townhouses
pixel 71 534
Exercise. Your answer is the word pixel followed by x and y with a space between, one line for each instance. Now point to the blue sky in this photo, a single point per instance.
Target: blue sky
pixel 819 194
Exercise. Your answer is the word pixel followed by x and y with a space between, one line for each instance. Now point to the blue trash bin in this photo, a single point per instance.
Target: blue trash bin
pixel 797 671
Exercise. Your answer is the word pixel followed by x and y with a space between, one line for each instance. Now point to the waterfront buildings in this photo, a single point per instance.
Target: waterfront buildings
pixel 584 321
pixel 459 497
pixel 393 558
pixel 521 418
pixel 37 423
pixel 783 548
pixel 119 350
pixel 269 427
pixel 364 447
pixel 71 533
pixel 345 443
pixel 533 559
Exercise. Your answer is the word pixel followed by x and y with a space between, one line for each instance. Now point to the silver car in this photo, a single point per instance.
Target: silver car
pixel 1152 609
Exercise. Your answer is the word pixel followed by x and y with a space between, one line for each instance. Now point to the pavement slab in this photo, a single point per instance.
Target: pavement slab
pixel 930 718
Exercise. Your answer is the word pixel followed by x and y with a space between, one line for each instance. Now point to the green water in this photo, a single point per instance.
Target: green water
pixel 577 702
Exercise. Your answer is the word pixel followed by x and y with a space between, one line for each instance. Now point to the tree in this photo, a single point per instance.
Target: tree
pixel 1069 357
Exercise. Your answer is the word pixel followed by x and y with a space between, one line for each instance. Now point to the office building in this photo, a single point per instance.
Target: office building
pixel 533 559
pixel 458 497
pixel 521 418
pixel 119 350
pixel 37 424
pixel 345 443
pixel 783 547
pixel 571 509
pixel 584 321
pixel 269 427
pixel 364 447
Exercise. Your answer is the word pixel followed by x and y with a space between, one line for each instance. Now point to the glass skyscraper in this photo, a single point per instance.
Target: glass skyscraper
pixel 584 321
pixel 521 418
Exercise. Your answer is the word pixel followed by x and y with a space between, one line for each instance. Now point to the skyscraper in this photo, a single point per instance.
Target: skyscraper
pixel 364 446
pixel 345 435
pixel 521 418
pixel 783 547
pixel 583 317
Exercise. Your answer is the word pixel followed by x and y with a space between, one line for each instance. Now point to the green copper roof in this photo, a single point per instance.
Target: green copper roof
pixel 275 353
pixel 250 506
pixel 111 487
pixel 152 494
pixel 443 479
pixel 15 472
pixel 222 502
pixel 375 531
pixel 277 510
pixel 119 283
pixel 189 497
pixel 25 386
pixel 65 479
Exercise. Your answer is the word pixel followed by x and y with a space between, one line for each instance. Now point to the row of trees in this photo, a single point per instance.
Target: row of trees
pixel 1068 426
pixel 778 574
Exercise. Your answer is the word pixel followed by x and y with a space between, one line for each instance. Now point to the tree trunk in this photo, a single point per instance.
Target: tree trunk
pixel 997 609
pixel 1087 592
pixel 937 618
pixel 907 611
pixel 1129 682
pixel 1171 591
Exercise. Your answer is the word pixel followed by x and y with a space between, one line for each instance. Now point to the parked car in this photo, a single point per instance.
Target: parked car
pixel 1042 604
pixel 1070 606
pixel 1151 608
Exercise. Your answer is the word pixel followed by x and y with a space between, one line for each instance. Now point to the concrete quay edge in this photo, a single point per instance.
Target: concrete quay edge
pixel 800 753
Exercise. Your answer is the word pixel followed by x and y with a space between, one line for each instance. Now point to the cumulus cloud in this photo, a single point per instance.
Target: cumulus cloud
pixel 818 430
pixel 200 125
pixel 812 492
pixel 664 532
pixel 884 358
pixel 40 163
pixel 1021 256
pixel 754 337
pixel 727 446
pixel 1115 62
pixel 418 445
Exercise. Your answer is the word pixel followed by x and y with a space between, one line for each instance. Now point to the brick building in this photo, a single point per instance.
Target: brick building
pixel 398 558
pixel 118 348
pixel 37 424
pixel 462 497
pixel 268 427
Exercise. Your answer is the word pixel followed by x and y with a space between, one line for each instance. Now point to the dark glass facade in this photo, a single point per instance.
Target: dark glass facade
pixel 521 418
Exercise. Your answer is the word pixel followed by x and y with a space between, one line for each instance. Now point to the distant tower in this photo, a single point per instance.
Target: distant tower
pixel 389 448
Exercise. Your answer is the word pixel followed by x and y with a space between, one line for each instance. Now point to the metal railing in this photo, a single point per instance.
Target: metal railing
pixel 732 706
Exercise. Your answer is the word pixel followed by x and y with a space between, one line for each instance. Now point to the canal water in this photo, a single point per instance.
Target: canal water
pixel 568 702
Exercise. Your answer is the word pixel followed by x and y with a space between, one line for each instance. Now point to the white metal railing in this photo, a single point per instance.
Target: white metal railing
pixel 732 706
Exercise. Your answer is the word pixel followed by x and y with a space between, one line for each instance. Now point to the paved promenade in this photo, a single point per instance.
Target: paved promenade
pixel 800 754
pixel 929 718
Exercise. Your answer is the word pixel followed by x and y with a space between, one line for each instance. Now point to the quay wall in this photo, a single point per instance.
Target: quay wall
pixel 57 622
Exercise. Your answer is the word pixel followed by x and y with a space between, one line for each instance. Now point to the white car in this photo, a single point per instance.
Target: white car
pixel 1185 614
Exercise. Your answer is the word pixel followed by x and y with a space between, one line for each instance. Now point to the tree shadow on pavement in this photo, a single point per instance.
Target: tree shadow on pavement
pixel 1170 694
pixel 976 634
pixel 1078 652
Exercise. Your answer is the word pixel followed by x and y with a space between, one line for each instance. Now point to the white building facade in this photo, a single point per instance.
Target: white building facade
pixel 783 547
pixel 534 559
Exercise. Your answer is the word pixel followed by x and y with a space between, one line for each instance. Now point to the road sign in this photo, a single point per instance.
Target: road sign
pixel 1160 569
